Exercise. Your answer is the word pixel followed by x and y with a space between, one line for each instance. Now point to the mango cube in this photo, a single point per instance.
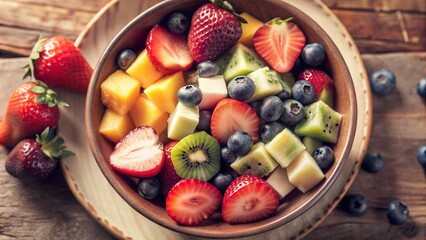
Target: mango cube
pixel 146 113
pixel 119 92
pixel 114 126
pixel 249 29
pixel 143 70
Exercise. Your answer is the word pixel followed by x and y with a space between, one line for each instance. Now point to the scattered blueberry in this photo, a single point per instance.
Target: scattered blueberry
pixel 204 122
pixel 227 156
pixel 240 143
pixel 149 188
pixel 190 95
pixel 271 109
pixel 178 23
pixel 373 162
pixel 222 181
pixel 126 58
pixel 355 204
pixel 270 130
pixel 241 88
pixel 313 54
pixel 397 212
pixel 304 92
pixel 421 87
pixel 382 82
pixel 421 155
pixel 284 95
pixel 207 69
pixel 293 113
pixel 324 156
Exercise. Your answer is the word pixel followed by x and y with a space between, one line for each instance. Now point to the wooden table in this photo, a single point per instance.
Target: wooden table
pixel 389 34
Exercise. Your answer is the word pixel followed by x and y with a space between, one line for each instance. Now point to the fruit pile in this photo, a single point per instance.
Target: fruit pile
pixel 236 131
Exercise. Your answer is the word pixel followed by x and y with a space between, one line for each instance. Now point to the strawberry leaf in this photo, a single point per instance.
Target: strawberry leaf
pixel 52 145
pixel 34 55
pixel 227 6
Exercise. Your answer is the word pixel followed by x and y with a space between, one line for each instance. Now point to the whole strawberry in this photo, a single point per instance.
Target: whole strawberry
pixel 31 108
pixel 214 29
pixel 60 64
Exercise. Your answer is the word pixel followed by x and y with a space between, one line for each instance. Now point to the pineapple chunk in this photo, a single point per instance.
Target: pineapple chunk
pixel 163 93
pixel 115 126
pixel 143 70
pixel 146 113
pixel 249 29
pixel 119 92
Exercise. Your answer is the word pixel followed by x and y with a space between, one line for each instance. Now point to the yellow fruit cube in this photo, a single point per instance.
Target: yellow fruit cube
pixel 146 113
pixel 249 29
pixel 143 70
pixel 115 126
pixel 163 93
pixel 119 92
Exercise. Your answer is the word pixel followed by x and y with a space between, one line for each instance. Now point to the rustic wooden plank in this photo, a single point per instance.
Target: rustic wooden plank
pixel 80 5
pixel 378 5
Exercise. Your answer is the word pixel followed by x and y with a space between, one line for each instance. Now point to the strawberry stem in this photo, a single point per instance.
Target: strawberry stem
pixel 227 6
pixel 46 95
pixel 52 145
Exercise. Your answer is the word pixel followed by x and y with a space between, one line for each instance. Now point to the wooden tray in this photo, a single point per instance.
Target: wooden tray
pixel 102 202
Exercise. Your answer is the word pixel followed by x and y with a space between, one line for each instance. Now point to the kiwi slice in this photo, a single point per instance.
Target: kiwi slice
pixel 196 156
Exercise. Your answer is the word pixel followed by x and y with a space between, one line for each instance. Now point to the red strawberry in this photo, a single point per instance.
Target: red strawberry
pixel 168 176
pixel 60 64
pixel 139 154
pixel 191 201
pixel 323 84
pixel 214 29
pixel 31 109
pixel 279 42
pixel 248 199
pixel 231 115
pixel 168 51
pixel 36 158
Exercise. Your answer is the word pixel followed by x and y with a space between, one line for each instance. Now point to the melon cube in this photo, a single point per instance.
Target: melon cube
pixel 119 92
pixel 213 90
pixel 182 121
pixel 143 70
pixel 279 181
pixel 285 147
pixel 114 126
pixel 249 29
pixel 146 113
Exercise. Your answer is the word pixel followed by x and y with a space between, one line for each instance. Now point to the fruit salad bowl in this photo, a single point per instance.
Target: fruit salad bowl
pixel 291 206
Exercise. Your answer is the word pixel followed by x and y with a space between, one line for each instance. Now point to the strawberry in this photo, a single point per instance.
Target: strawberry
pixel 214 29
pixel 60 64
pixel 248 199
pixel 322 83
pixel 191 201
pixel 36 158
pixel 168 176
pixel 139 154
pixel 167 51
pixel 279 42
pixel 32 107
pixel 231 115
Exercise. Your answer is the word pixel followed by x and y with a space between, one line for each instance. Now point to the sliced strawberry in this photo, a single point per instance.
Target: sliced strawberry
pixel 191 201
pixel 322 83
pixel 231 115
pixel 167 51
pixel 168 176
pixel 279 42
pixel 139 153
pixel 248 199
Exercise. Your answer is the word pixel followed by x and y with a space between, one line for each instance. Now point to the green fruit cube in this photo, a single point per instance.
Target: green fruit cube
pixel 267 83
pixel 285 147
pixel 257 162
pixel 182 121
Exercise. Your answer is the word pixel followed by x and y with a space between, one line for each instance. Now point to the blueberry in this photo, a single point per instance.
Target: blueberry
pixel 284 95
pixel 382 82
pixel 304 92
pixel 313 54
pixel 178 23
pixel 397 212
pixel 271 109
pixel 355 204
pixel 240 143
pixel 190 95
pixel 293 113
pixel 227 156
pixel 149 188
pixel 270 130
pixel 421 155
pixel 222 181
pixel 241 88
pixel 204 122
pixel 421 87
pixel 372 162
pixel 207 69
pixel 324 156
pixel 126 58
pixel 256 106
pixel 299 66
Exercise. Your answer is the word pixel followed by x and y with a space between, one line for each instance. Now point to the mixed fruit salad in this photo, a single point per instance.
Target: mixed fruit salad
pixel 210 115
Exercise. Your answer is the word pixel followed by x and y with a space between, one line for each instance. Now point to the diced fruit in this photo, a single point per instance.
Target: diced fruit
pixel 278 180
pixel 311 144
pixel 168 176
pixel 382 82
pixel 114 126
pixel 143 70
pixel 138 154
pixel 163 93
pixel 248 199
pixel 287 80
pixel 204 122
pixel 271 109
pixel 322 83
pixel 190 95
pixel 149 188
pixel 313 54
pixel 270 130
pixel 285 147
pixel 197 156
pixel 279 42
pixel 324 157
pixel 354 204
pixel 182 121
pixel 303 92
pixel 231 115
pixel 257 162
pixel 293 113
pixel 213 90
pixel 119 92
pixel 126 58
pixel 207 69
pixel 240 143
pixel 322 123
pixel 191 201
pixel 178 23
pixel 397 212
pixel 249 29
pixel 146 113
pixel 373 162
pixel 267 82
pixel 241 88
pixel 222 180
pixel 304 172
